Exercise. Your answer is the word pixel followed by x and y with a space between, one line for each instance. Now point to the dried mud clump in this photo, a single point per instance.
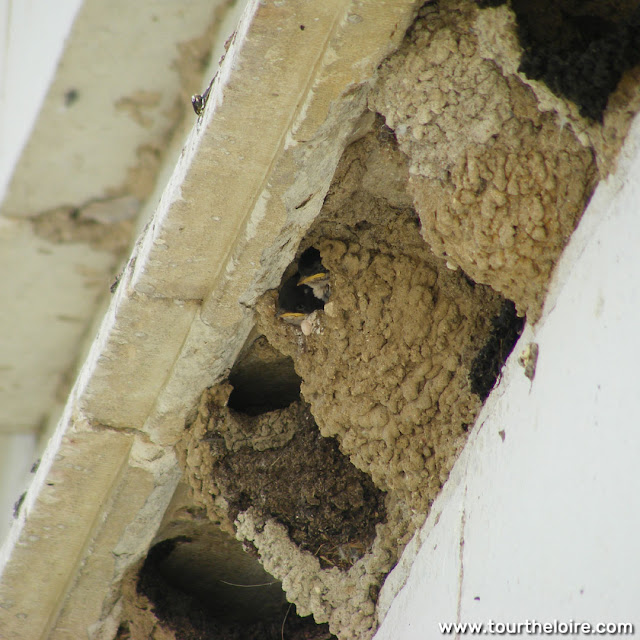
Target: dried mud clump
pixel 499 187
pixel 316 522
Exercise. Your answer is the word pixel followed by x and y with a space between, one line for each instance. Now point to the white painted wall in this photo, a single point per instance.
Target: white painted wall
pixel 32 36
pixel 542 524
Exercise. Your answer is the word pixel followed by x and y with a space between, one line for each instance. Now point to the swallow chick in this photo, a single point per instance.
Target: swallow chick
pixel 295 303
pixel 313 274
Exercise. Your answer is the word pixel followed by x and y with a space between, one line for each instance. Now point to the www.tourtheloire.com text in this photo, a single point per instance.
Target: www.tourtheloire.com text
pixel 557 627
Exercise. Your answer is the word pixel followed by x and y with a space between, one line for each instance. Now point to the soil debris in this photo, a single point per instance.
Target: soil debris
pixel 506 328
pixel 328 506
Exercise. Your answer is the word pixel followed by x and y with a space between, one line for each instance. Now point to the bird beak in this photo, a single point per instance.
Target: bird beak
pixel 313 278
pixel 292 317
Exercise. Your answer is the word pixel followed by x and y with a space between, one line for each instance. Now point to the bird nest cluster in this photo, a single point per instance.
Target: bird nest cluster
pixel 375 342
pixel 336 429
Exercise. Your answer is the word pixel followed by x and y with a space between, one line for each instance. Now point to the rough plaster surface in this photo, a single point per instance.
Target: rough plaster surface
pixel 140 496
pixel 498 184
pixel 58 517
pixel 42 318
pixel 126 342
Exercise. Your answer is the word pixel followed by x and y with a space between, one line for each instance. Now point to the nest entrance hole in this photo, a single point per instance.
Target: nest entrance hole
pixel 580 50
pixel 198 594
pixel 485 370
pixel 263 380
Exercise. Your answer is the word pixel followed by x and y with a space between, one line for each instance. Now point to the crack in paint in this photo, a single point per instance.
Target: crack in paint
pixel 463 521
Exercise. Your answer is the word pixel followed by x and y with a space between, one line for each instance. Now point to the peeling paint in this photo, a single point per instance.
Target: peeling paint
pixel 138 104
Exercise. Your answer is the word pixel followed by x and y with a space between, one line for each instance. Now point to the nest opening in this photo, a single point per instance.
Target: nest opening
pixel 172 579
pixel 579 50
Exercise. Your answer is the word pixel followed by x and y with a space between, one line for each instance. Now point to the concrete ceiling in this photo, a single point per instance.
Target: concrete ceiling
pixel 89 151
pixel 118 97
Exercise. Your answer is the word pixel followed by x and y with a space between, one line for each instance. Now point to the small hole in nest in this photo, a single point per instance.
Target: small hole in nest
pixel 306 291
pixel 263 380
pixel 506 328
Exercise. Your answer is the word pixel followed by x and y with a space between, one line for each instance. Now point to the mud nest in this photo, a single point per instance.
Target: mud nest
pixel 498 185
pixel 385 370
pixel 328 488
pixel 329 507
pixel 326 446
